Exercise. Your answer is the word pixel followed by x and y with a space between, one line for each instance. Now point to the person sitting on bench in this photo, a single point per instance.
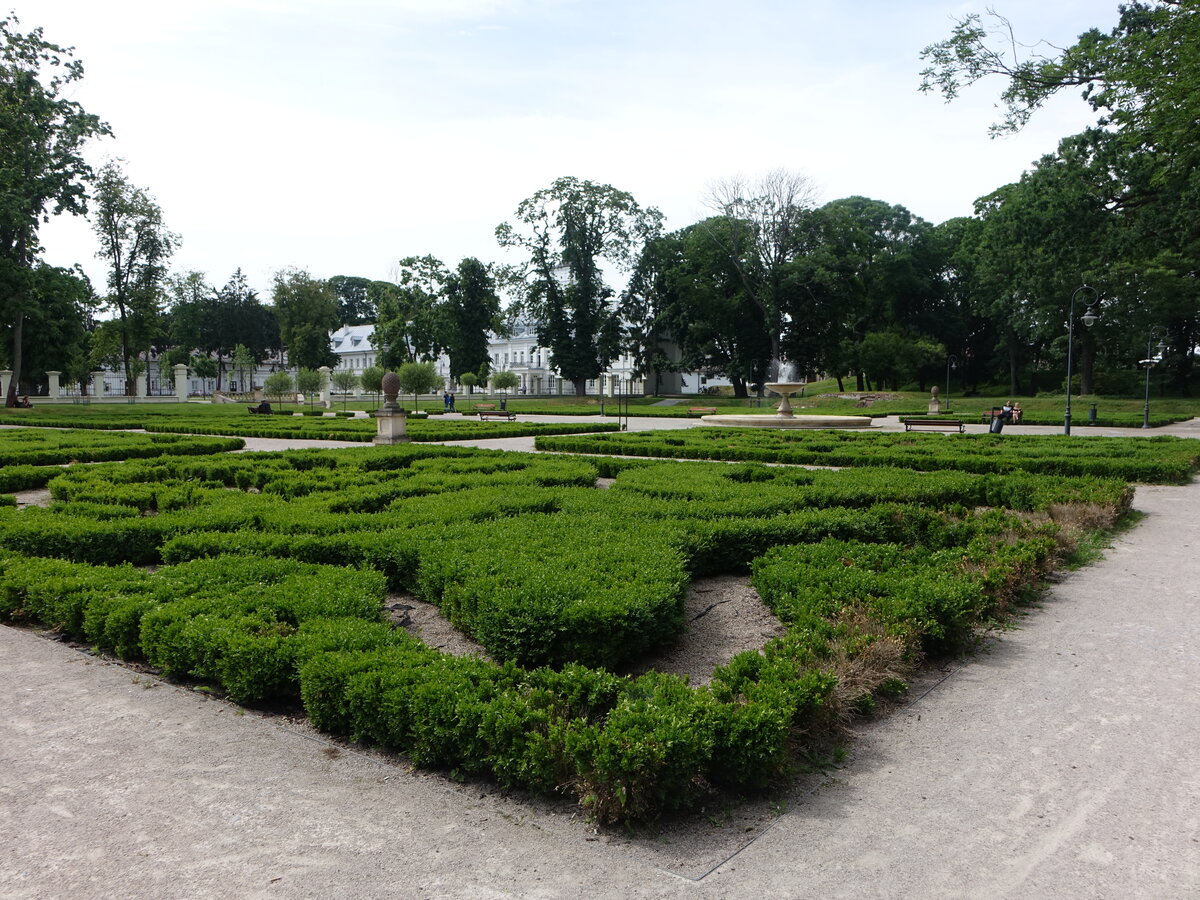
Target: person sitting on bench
pixel 264 407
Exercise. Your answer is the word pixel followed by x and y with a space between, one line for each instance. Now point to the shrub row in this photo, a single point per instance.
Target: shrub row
pixel 625 748
pixel 513 547
pixel 35 447
pixel 27 478
pixel 1161 459
pixel 524 553
pixel 242 623
pixel 929 598
pixel 419 430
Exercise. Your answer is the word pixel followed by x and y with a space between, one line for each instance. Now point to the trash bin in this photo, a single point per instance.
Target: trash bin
pixel 1092 415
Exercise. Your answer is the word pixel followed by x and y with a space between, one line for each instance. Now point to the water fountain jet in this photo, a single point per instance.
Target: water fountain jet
pixel 785 385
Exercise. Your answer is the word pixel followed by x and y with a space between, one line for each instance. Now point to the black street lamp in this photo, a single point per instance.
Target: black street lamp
pixel 951 362
pixel 1154 356
pixel 1088 318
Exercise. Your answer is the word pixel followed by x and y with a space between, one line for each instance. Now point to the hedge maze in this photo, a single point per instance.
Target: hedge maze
pixel 266 575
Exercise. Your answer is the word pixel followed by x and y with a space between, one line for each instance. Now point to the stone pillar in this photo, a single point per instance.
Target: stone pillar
pixel 98 385
pixel 5 381
pixel 326 400
pixel 181 391
pixel 53 388
pixel 140 390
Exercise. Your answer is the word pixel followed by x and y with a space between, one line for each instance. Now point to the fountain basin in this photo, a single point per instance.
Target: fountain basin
pixel 762 420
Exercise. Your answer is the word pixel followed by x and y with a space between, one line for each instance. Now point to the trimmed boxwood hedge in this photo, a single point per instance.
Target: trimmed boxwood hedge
pixel 1161 459
pixel 276 566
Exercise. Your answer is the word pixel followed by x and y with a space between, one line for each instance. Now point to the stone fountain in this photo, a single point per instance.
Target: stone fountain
pixel 785 385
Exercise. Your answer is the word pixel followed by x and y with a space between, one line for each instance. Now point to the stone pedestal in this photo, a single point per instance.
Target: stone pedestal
pixel 181 387
pixel 392 426
pixel 98 385
pixel 53 388
pixel 935 404
pixel 140 389
pixel 325 393
pixel 5 381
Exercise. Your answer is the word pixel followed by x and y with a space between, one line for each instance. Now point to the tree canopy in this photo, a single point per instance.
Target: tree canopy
pixel 42 169
pixel 307 310
pixel 1118 206
pixel 570 230
pixel 136 245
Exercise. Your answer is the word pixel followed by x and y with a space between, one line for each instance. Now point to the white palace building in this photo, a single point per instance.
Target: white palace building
pixel 520 354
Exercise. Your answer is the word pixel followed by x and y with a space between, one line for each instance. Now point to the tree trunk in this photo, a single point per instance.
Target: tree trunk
pixel 581 387
pixel 739 387
pixel 1087 367
pixel 18 330
pixel 841 386
pixel 860 382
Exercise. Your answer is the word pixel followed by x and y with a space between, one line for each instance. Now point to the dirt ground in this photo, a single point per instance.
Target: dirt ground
pixel 724 616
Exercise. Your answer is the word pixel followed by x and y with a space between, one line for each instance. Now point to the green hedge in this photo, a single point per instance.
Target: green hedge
pixel 276 566
pixel 1161 459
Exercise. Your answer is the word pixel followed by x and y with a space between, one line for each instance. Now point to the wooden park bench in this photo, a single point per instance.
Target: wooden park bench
pixel 994 412
pixel 485 414
pixel 706 410
pixel 938 422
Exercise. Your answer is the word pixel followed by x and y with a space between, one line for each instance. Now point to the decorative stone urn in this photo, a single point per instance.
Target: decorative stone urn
pixel 391 421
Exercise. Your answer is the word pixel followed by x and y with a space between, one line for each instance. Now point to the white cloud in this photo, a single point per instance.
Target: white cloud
pixel 340 136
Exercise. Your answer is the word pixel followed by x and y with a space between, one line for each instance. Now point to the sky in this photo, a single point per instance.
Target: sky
pixel 339 136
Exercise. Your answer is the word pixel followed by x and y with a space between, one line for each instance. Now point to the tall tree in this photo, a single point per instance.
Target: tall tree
pixel 356 302
pixel 58 324
pixel 571 229
pixel 1143 80
pixel 42 170
pixel 719 330
pixel 136 245
pixel 411 325
pixel 307 310
pixel 776 210
pixel 645 308
pixel 215 322
pixel 886 272
pixel 471 309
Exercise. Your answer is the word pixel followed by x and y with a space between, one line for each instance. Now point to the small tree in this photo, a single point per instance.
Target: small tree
pixel 506 380
pixel 308 382
pixel 345 381
pixel 205 368
pixel 417 378
pixel 469 380
pixel 371 380
pixel 243 359
pixel 278 385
